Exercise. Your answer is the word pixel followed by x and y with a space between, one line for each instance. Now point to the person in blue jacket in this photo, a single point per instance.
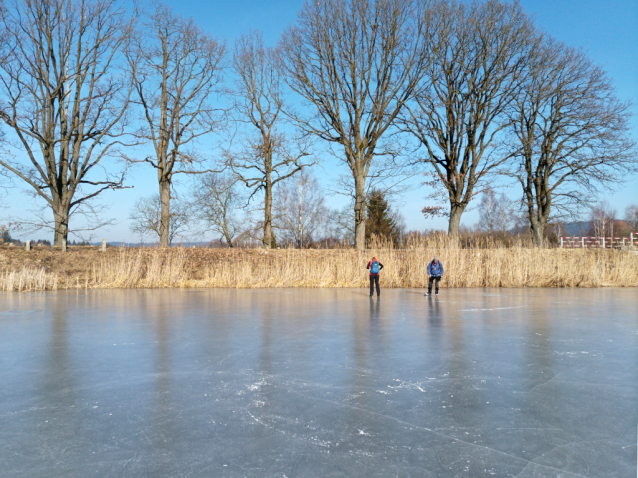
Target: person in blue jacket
pixel 435 272
pixel 374 266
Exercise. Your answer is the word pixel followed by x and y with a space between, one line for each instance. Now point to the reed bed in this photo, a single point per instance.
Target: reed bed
pixel 28 279
pixel 515 266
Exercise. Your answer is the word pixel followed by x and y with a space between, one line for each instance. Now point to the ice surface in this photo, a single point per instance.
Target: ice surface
pixel 319 383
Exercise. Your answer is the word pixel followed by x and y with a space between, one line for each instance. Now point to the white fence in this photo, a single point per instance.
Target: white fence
pixel 599 242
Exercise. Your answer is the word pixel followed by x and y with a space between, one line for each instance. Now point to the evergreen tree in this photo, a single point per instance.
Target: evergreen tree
pixel 379 221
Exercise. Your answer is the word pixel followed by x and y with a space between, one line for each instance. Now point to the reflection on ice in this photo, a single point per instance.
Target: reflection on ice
pixel 321 382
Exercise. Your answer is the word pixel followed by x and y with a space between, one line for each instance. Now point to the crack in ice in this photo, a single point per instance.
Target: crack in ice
pixel 398 420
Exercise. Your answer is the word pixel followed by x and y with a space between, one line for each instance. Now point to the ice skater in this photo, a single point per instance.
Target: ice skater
pixel 435 272
pixel 374 266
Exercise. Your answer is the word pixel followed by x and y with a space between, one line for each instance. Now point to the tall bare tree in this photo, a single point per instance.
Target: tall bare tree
pixel 265 155
pixel 571 134
pixel 176 69
pixel 479 53
pixel 63 98
pixel 356 63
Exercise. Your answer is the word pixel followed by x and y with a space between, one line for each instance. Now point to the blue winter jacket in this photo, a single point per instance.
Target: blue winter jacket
pixel 435 270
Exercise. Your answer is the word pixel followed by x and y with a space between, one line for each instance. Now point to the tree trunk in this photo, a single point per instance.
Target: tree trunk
pixel 229 240
pixel 360 211
pixel 268 236
pixel 455 220
pixel 537 226
pixel 538 214
pixel 61 218
pixel 165 214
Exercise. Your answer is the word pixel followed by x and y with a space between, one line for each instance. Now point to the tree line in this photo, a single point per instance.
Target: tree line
pixel 459 92
pixel 499 215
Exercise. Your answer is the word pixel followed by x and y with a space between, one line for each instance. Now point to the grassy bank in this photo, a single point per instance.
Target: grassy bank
pixel 519 266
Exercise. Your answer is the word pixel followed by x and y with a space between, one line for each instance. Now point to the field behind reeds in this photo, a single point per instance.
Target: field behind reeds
pixel 517 266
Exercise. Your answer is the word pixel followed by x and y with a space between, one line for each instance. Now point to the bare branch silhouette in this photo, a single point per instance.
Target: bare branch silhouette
pixel 355 63
pixel 64 98
pixel 570 134
pixel 176 70
pixel 265 155
pixel 479 54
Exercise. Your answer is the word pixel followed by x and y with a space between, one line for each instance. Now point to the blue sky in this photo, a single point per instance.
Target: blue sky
pixel 607 30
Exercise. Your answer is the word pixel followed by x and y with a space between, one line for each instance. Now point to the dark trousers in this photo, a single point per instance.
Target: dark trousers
pixel 436 284
pixel 374 280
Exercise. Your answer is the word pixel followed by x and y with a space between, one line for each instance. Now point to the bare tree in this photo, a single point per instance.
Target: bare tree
pixel 631 216
pixel 300 210
pixel 63 98
pixel 146 218
pixel 356 63
pixel 479 53
pixel 340 225
pixel 571 134
pixel 88 216
pixel 386 174
pixel 216 202
pixel 264 156
pixel 603 219
pixel 496 212
pixel 176 69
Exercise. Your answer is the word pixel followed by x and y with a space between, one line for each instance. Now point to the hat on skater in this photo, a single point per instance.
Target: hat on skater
pixel 436 258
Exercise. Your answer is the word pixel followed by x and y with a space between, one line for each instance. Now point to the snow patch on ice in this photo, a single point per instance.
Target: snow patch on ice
pixel 403 385
pixel 255 387
pixel 495 308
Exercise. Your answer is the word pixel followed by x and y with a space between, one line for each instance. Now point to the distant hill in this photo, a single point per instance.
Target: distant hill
pixel 577 228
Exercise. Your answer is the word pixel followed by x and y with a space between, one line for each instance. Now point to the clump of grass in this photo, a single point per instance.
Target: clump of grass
pixel 482 264
pixel 142 268
pixel 28 279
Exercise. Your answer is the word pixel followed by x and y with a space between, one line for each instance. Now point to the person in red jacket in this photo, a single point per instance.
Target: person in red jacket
pixel 374 266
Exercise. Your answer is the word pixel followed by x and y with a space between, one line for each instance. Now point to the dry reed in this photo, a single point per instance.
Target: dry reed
pixel 28 279
pixel 485 266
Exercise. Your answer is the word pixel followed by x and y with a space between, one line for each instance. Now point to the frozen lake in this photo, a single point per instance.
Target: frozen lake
pixel 318 383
